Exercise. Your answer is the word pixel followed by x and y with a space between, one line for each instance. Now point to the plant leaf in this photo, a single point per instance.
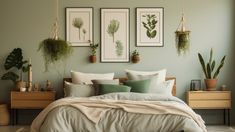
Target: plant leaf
pixel 219 68
pixel 14 59
pixel 208 70
pixel 201 60
pixel 213 66
pixel 10 76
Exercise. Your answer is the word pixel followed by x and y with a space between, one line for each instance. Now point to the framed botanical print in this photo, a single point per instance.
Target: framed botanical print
pixel 115 28
pixel 79 25
pixel 149 26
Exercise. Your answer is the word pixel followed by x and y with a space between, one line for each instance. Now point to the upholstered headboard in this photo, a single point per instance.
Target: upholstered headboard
pixel 123 79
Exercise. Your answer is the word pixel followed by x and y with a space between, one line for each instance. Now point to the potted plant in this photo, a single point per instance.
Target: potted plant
pixel 135 56
pixel 15 61
pixel 53 50
pixel 208 68
pixel 93 47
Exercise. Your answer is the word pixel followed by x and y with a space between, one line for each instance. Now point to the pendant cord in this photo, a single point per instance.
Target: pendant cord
pixel 55 30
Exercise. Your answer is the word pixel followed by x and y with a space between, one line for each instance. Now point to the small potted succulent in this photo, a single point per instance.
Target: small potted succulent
pixel 93 47
pixel 135 56
pixel 208 68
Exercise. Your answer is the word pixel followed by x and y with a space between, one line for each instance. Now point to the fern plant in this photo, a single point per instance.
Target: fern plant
pixel 209 67
pixel 113 28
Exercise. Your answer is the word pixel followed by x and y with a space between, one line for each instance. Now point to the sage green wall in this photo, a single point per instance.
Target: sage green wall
pixel 24 23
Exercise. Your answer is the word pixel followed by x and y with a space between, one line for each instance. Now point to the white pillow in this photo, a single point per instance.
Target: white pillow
pixel 161 74
pixel 78 90
pixel 164 87
pixel 79 77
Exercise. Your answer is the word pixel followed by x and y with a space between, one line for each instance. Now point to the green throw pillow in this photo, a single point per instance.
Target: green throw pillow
pixel 110 88
pixel 139 86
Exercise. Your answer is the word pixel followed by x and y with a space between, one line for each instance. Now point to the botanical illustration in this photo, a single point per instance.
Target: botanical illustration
pixel 119 48
pixel 113 28
pixel 78 23
pixel 150 25
pixel 84 34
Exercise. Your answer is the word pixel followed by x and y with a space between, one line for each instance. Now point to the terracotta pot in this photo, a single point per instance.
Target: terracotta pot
pixel 20 84
pixel 210 84
pixel 4 114
pixel 135 59
pixel 92 58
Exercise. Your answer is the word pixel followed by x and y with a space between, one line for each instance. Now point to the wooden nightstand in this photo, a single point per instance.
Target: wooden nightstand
pixel 210 100
pixel 30 100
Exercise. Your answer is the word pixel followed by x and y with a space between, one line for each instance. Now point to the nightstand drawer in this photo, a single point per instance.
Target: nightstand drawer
pixel 209 95
pixel 32 95
pixel 210 104
pixel 29 104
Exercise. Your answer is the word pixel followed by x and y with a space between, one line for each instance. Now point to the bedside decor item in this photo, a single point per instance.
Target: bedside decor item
pixel 15 61
pixel 79 25
pixel 149 26
pixel 182 38
pixel 4 114
pixel 30 77
pixel 23 89
pixel 115 41
pixel 208 68
pixel 223 87
pixel 54 48
pixel 135 56
pixel 195 85
pixel 93 47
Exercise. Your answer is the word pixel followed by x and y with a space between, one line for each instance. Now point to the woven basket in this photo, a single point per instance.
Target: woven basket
pixel 4 115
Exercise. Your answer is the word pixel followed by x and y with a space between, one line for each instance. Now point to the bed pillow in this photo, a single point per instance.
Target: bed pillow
pixel 96 83
pixel 161 74
pixel 154 79
pixel 139 86
pixel 80 77
pixel 78 90
pixel 110 88
pixel 164 88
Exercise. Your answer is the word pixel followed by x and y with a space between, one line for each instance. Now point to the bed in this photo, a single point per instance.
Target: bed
pixel 119 112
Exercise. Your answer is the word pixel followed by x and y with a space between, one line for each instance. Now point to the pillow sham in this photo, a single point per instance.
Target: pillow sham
pixel 80 77
pixel 78 90
pixel 110 88
pixel 161 74
pixel 164 88
pixel 139 86
pixel 96 84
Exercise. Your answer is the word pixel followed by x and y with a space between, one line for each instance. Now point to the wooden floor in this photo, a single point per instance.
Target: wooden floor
pixel 26 129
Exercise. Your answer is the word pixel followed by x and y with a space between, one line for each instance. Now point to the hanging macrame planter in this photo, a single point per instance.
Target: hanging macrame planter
pixel 54 48
pixel 182 38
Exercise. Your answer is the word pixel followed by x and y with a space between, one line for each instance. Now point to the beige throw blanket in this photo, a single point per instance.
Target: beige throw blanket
pixel 94 109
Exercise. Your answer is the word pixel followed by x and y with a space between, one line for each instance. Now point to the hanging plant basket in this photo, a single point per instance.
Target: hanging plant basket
pixel 182 42
pixel 54 50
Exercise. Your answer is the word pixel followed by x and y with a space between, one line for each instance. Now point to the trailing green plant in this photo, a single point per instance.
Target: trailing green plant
pixel 135 53
pixel 78 23
pixel 15 61
pixel 182 42
pixel 54 50
pixel 113 28
pixel 209 67
pixel 150 25
pixel 94 47
pixel 119 48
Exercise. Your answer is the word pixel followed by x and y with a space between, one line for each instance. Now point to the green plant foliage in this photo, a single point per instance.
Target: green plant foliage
pixel 210 66
pixel 182 42
pixel 135 53
pixel 113 28
pixel 78 23
pixel 150 25
pixel 54 50
pixel 10 76
pixel 15 60
pixel 94 48
pixel 119 48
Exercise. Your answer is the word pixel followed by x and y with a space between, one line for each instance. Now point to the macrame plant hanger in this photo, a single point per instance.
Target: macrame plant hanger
pixel 54 48
pixel 182 37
